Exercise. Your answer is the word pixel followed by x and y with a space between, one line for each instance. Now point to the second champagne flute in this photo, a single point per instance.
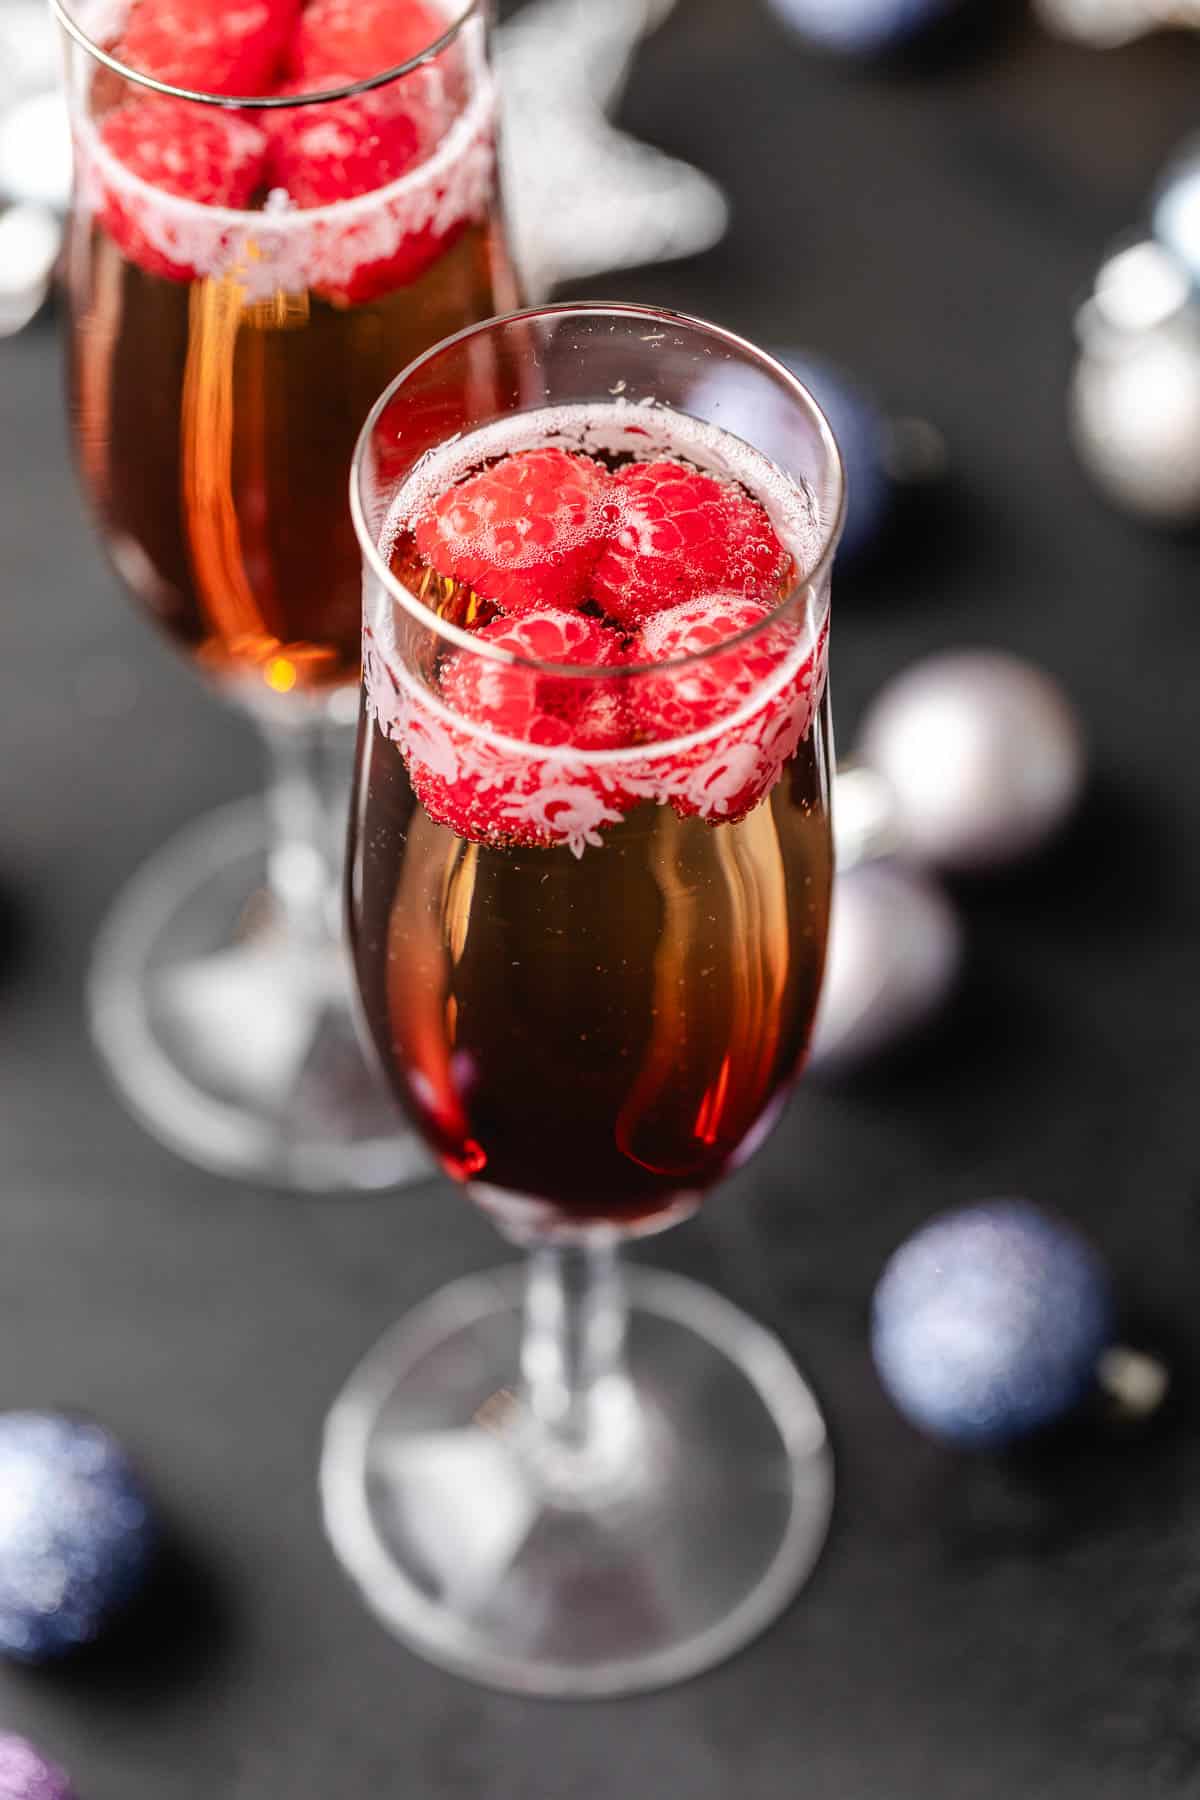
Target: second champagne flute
pixel 275 208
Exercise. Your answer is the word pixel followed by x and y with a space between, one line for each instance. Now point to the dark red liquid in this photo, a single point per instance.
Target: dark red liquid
pixel 604 1034
pixel 215 439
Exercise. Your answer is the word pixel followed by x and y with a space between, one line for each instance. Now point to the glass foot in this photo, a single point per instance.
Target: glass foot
pixel 228 1039
pixel 440 1512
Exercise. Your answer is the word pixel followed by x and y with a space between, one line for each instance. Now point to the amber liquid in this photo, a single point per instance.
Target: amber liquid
pixel 606 1034
pixel 214 439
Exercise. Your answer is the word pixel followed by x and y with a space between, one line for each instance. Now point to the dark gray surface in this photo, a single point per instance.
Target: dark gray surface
pixel 977 1631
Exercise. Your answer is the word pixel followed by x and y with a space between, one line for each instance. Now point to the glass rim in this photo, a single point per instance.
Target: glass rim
pixel 809 578
pixel 263 102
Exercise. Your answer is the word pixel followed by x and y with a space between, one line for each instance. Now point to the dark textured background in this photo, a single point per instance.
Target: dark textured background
pixel 1028 1627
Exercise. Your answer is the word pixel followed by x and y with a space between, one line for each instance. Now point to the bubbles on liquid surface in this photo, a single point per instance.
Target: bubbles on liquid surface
pixel 640 431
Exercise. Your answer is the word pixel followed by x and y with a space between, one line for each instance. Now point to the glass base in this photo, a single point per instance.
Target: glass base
pixel 230 1040
pixel 440 1508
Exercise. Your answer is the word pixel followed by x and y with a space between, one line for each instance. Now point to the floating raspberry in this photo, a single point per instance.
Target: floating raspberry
pixel 340 148
pixel 681 701
pixel 725 776
pixel 197 152
pixel 210 46
pixel 544 795
pixel 679 535
pixel 363 36
pixel 525 532
pixel 520 702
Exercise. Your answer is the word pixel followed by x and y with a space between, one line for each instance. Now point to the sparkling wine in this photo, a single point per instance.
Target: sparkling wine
pixel 591 970
pixel 222 361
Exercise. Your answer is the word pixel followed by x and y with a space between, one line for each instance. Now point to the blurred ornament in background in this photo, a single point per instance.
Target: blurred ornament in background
pixel 990 1323
pixel 895 951
pixel 982 755
pixel 1175 209
pixel 35 151
pixel 1107 24
pixel 35 161
pixel 1135 393
pixel 78 1534
pixel 29 52
pixel 30 241
pixel 966 762
pixel 583 197
pixel 862 435
pixel 25 1773
pixel 862 27
pixel 883 456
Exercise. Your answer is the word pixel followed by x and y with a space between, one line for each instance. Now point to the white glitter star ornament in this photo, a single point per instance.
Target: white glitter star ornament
pixel 582 196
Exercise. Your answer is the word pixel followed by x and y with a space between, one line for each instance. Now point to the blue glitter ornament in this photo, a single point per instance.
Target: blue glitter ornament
pixel 988 1323
pixel 861 27
pixel 860 428
pixel 862 435
pixel 77 1534
pixel 26 1775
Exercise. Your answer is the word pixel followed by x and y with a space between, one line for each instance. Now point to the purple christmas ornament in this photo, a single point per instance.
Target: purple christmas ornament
pixel 26 1775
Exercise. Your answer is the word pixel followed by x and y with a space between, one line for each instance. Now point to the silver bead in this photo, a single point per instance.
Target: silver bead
pixel 982 753
pixel 1135 396
pixel 895 950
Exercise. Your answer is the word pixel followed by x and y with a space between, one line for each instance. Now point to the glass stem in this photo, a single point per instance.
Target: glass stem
pixel 579 1403
pixel 306 820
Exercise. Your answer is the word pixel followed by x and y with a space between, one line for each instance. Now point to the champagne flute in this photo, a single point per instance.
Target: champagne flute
pixel 589 881
pixel 242 275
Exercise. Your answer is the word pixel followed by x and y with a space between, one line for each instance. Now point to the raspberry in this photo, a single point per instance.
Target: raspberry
pixel 339 148
pixel 364 36
pixel 678 535
pixel 231 47
pixel 522 702
pixel 489 795
pixel 725 776
pixel 524 533
pixel 212 157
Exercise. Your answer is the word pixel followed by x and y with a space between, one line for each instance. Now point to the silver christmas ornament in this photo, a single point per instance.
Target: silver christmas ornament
pixel 982 755
pixel 35 161
pixel 1106 24
pixel 35 151
pixel 582 196
pixel 895 951
pixel 1175 210
pixel 1135 396
pixel 30 239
